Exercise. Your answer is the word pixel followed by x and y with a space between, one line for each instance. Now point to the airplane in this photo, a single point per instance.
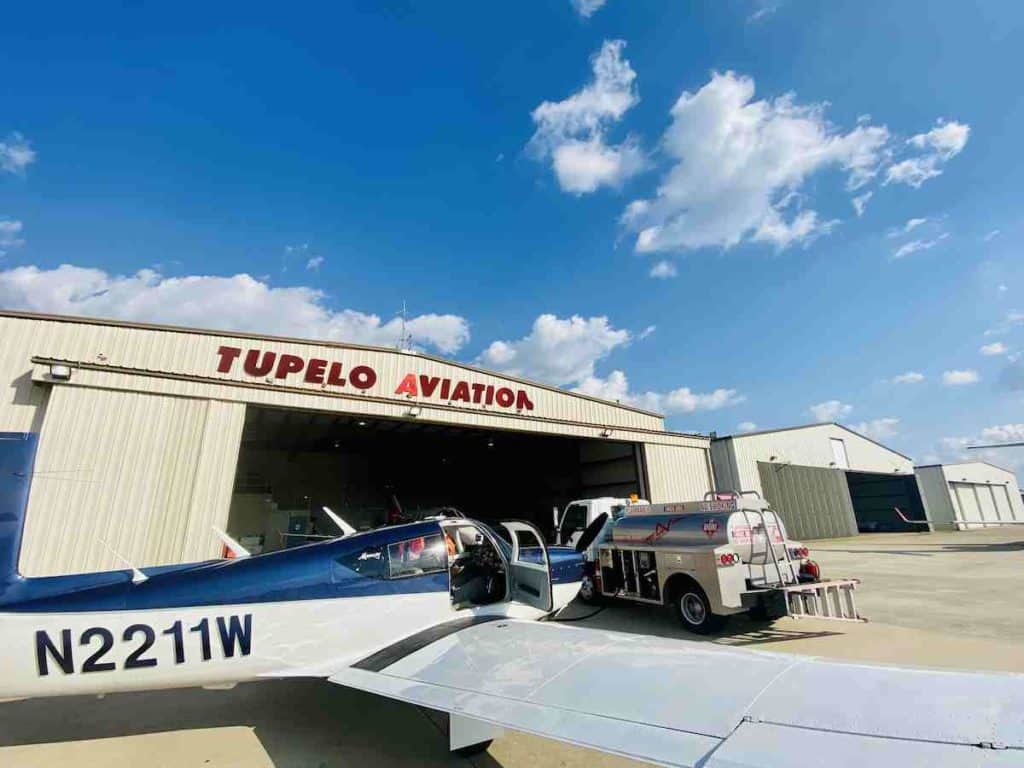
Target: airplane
pixel 450 615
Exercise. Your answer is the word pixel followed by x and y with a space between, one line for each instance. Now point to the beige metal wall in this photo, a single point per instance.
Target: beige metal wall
pixel 736 457
pixel 676 473
pixel 147 474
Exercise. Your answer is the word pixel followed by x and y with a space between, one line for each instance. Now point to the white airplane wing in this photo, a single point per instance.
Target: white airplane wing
pixel 682 703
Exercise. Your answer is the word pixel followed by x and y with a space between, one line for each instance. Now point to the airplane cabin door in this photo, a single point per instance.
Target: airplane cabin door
pixel 530 567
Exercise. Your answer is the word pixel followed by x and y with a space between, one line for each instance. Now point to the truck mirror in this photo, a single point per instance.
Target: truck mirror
pixel 591 532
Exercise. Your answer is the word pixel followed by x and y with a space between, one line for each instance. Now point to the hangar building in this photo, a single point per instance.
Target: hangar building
pixel 149 436
pixel 827 480
pixel 970 494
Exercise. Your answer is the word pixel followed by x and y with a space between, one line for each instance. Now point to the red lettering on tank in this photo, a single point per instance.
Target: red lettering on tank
pixel 461 392
pixel 334 377
pixel 505 397
pixel 256 367
pixel 289 364
pixel 315 371
pixel 408 386
pixel 428 384
pixel 362 377
pixel 228 355
pixel 523 402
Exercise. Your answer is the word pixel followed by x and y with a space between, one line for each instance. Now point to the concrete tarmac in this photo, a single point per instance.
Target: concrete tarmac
pixel 946 600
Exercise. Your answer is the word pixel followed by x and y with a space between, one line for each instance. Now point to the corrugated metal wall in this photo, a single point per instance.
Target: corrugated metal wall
pixel 814 502
pixel 144 473
pixel 676 473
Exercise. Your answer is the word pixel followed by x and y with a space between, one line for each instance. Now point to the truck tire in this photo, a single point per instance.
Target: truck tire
pixel 588 591
pixel 694 609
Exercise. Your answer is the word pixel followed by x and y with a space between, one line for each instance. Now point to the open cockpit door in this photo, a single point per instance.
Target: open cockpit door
pixel 529 566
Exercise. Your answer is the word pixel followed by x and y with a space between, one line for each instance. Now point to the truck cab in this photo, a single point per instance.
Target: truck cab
pixel 577 515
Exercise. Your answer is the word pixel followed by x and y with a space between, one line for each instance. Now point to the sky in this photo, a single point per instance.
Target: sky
pixel 744 214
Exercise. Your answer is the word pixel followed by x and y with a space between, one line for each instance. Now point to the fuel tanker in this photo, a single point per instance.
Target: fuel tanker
pixel 726 554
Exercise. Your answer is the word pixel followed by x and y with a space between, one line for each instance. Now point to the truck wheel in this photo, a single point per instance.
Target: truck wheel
pixel 694 610
pixel 588 591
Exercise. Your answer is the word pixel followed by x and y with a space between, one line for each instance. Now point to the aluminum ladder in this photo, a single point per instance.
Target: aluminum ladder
pixel 831 600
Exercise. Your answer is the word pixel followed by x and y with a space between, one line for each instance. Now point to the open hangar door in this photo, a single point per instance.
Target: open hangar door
pixel 372 471
pixel 874 497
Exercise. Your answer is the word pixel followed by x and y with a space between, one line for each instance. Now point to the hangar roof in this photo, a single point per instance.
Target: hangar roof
pixel 741 435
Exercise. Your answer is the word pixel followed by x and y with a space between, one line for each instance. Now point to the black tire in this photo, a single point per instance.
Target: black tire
pixel 693 609
pixel 588 591
pixel 474 749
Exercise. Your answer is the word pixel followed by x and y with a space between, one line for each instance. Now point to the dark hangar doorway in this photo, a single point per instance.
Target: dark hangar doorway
pixel 370 471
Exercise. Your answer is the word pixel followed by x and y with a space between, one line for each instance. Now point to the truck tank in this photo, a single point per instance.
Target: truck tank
pixel 702 529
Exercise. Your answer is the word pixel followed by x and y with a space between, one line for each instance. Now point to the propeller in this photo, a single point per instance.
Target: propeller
pixel 591 532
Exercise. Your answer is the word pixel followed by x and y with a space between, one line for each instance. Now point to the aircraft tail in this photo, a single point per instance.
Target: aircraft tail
pixel 17 456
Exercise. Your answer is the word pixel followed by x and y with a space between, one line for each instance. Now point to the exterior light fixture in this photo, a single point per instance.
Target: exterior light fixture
pixel 60 372
pixel 415 411
pixel 360 423
pixel 490 442
pixel 606 432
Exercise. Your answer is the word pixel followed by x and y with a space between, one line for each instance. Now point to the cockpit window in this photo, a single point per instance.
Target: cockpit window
pixel 366 561
pixel 416 557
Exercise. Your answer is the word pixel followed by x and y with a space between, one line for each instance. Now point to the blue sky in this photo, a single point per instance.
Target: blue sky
pixel 306 170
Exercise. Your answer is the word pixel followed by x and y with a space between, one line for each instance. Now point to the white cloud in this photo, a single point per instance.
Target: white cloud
pixel 765 8
pixel 991 235
pixel 860 202
pixel 587 8
pixel 954 449
pixel 947 139
pixel 559 351
pixel 877 429
pixel 909 226
pixel 314 263
pixel 1003 288
pixel 941 144
pixel 9 235
pixel 15 154
pixel 1005 433
pixel 830 410
pixel 572 132
pixel 239 302
pixel 995 348
pixel 585 166
pixel 738 165
pixel 910 377
pixel 959 378
pixel 1012 319
pixel 664 270
pixel 918 245
pixel 647 332
pixel 675 402
pixel 746 426
pixel 565 352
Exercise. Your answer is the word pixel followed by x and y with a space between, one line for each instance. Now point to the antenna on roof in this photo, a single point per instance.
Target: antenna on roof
pixel 137 576
pixel 405 338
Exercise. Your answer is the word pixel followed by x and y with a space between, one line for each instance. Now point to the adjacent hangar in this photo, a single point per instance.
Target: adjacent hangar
pixel 826 479
pixel 151 436
pixel 970 494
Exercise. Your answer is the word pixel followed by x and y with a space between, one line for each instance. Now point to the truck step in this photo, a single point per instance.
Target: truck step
pixel 832 600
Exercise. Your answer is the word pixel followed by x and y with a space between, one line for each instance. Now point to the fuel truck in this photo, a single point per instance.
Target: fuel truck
pixel 708 560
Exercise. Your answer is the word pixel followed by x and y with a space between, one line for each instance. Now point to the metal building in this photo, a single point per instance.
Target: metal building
pixel 150 435
pixel 826 479
pixel 971 494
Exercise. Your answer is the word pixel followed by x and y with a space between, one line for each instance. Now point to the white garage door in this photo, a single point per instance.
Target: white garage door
pixel 968 506
pixel 981 503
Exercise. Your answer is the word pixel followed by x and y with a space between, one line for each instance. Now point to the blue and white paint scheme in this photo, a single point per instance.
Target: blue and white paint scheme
pixel 389 611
